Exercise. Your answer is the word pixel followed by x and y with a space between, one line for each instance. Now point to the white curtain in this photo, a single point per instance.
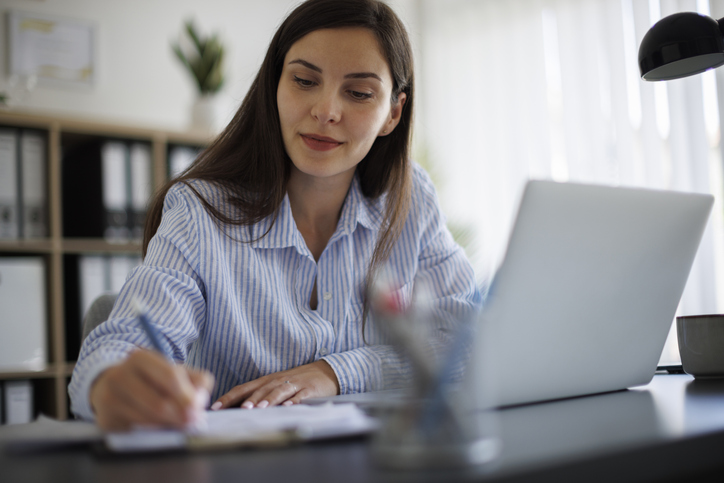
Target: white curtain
pixel 511 90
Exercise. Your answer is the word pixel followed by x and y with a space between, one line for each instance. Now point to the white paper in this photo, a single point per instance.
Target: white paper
pixel 237 426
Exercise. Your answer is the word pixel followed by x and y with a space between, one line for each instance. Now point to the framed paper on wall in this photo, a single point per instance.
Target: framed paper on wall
pixel 56 50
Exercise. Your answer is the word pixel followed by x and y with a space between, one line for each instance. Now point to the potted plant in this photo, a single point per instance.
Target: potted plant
pixel 203 57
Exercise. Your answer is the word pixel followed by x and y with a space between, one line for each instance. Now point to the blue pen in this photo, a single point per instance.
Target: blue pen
pixel 150 330
pixel 199 421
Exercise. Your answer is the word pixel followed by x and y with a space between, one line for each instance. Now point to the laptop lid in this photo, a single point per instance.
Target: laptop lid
pixel 587 291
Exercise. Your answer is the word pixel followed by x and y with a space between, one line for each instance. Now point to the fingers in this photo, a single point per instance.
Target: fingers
pixel 170 380
pixel 288 387
pixel 146 389
pixel 272 394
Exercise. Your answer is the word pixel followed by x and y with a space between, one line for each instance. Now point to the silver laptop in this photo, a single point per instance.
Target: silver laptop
pixel 587 291
pixel 584 299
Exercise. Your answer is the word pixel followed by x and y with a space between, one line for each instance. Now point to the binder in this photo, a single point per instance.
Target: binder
pixel 23 313
pixel 9 177
pixel 86 278
pixel 18 402
pixel 115 160
pixel 93 280
pixel 140 183
pixel 119 267
pixel 34 219
pixel 180 158
pixel 96 191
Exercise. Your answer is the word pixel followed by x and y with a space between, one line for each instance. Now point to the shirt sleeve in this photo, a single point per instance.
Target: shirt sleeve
pixel 442 269
pixel 167 286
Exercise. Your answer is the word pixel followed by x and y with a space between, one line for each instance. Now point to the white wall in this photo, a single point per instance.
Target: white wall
pixel 139 80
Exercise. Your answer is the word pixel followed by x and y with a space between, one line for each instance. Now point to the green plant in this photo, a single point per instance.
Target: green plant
pixel 3 99
pixel 204 59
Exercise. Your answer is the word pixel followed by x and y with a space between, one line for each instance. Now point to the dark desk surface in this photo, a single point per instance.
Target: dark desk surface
pixel 669 430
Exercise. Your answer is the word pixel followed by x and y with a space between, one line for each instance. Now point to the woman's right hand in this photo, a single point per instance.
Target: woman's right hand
pixel 146 389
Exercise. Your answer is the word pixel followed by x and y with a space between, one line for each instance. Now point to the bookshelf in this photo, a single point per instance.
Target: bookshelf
pixel 50 383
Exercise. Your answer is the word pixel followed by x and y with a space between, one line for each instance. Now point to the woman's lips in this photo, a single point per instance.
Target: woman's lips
pixel 320 143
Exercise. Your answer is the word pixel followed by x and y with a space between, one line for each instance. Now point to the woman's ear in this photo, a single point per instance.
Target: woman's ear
pixel 395 115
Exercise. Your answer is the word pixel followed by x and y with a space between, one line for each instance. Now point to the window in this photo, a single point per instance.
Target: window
pixel 518 89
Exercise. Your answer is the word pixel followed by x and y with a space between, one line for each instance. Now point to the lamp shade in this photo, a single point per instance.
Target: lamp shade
pixel 680 45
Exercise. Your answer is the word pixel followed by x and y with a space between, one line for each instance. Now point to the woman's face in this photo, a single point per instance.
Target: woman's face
pixel 334 101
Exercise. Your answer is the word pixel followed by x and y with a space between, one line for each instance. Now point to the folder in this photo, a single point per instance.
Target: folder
pixel 18 402
pixel 86 278
pixel 180 158
pixel 114 169
pixel 140 183
pixel 9 226
pixel 23 313
pixel 93 280
pixel 96 191
pixel 34 219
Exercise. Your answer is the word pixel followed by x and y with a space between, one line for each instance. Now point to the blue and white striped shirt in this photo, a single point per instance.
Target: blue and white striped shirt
pixel 241 309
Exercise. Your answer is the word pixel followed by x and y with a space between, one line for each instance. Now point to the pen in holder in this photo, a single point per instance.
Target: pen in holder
pixel 440 427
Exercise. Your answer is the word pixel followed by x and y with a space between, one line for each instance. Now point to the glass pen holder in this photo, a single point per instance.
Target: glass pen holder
pixel 445 423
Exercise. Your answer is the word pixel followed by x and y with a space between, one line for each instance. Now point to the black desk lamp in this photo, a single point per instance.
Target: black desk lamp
pixel 680 45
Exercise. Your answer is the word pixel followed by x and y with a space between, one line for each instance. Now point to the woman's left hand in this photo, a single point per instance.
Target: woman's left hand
pixel 287 387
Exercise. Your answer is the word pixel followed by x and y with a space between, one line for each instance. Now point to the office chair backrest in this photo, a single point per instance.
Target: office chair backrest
pixel 98 312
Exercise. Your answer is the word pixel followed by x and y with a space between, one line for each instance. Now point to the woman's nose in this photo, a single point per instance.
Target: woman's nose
pixel 327 108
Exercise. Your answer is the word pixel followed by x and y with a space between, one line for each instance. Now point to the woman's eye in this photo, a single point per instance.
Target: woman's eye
pixel 360 95
pixel 303 82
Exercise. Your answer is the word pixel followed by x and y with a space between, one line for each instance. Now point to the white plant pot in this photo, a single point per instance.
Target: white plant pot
pixel 205 113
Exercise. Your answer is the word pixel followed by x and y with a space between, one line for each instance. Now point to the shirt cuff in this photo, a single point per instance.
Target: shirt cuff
pixel 371 368
pixel 84 374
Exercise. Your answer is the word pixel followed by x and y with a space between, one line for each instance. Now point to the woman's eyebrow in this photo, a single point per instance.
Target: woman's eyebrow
pixel 306 64
pixel 356 75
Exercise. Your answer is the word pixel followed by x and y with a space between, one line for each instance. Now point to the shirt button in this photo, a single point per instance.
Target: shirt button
pixel 327 296
pixel 323 351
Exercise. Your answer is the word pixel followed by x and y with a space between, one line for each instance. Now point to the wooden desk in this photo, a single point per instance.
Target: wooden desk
pixel 669 430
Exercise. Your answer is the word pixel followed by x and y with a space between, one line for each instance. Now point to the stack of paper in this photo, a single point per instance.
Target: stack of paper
pixel 256 427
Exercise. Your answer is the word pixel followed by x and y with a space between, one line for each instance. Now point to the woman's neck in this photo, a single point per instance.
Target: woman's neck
pixel 316 205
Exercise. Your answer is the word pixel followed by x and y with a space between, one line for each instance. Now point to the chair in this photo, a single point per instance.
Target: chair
pixel 98 312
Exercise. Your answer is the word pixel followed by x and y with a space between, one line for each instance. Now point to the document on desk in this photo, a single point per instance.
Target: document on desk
pixel 227 428
pixel 237 427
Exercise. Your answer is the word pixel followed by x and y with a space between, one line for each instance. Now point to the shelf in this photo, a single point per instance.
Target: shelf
pixel 51 371
pixel 26 246
pixel 62 133
pixel 85 126
pixel 92 245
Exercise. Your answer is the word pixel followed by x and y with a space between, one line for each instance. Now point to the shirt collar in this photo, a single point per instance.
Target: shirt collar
pixel 357 209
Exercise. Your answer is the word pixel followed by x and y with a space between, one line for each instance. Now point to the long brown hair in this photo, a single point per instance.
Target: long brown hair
pixel 248 158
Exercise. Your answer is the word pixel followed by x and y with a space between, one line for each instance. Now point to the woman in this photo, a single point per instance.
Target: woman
pixel 257 259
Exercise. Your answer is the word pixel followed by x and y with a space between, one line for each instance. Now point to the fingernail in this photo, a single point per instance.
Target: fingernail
pixel 287 403
pixel 247 405
pixel 216 406
pixel 262 404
